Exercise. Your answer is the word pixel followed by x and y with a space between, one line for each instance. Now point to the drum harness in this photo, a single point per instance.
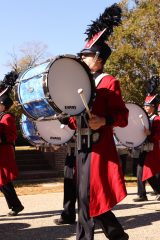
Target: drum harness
pixel 148 146
pixel 86 136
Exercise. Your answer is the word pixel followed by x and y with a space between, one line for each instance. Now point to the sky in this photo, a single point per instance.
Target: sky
pixel 59 24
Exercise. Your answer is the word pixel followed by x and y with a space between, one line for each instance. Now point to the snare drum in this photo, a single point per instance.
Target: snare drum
pixel 29 131
pixel 52 87
pixel 133 134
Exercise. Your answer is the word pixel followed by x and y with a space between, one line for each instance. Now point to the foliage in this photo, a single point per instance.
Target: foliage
pixel 136 45
pixel 29 54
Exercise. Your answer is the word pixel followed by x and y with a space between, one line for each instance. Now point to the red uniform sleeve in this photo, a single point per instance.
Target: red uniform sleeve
pixel 72 123
pixel 155 130
pixel 8 131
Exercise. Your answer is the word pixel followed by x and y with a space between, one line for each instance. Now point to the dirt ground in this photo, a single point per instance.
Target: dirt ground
pixel 36 188
pixel 46 187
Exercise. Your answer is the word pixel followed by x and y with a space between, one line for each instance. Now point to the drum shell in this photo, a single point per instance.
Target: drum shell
pixel 31 92
pixel 45 133
pixel 29 132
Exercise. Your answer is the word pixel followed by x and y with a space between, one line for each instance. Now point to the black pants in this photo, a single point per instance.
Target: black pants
pixel 69 199
pixel 10 196
pixel 85 226
pixel 123 161
pixel 153 181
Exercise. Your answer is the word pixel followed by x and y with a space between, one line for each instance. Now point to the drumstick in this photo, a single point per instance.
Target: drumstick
pixel 62 126
pixel 80 92
pixel 141 117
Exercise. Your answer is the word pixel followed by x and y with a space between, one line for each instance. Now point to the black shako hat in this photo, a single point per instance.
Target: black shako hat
pixel 6 86
pixel 151 100
pixel 100 30
pixel 6 101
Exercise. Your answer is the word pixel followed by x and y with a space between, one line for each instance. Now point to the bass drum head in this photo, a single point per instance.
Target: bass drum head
pixel 67 75
pixel 133 134
pixel 54 132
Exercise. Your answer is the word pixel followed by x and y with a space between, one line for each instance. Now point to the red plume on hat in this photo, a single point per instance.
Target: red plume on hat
pixel 100 30
pixel 150 100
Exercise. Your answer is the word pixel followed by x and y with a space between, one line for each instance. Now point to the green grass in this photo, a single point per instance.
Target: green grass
pixel 25 148
pixel 129 178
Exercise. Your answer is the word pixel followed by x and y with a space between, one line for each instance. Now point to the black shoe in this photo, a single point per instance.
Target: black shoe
pixel 124 237
pixel 140 199
pixel 15 211
pixel 62 221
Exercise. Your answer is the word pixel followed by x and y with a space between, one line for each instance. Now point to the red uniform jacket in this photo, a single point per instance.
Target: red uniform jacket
pixel 8 134
pixel 152 161
pixel 107 186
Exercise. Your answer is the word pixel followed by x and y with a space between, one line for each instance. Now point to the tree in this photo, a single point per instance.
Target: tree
pixel 136 42
pixel 30 53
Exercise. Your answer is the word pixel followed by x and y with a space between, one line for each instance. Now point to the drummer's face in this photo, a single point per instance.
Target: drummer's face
pixel 2 107
pixel 90 60
pixel 149 109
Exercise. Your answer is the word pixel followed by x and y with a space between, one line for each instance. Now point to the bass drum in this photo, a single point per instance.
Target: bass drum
pixel 29 131
pixel 51 88
pixel 133 134
pixel 45 133
pixel 53 132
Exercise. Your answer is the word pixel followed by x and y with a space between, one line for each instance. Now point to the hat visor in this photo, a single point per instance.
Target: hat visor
pixel 86 51
pixel 148 104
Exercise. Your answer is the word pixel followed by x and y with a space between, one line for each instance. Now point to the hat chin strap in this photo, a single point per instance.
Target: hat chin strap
pixel 96 57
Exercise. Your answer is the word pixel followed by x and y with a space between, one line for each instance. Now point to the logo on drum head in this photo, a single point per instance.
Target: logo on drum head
pixel 56 138
pixel 70 107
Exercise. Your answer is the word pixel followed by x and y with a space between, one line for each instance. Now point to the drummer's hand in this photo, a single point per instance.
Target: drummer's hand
pixel 146 131
pixel 96 122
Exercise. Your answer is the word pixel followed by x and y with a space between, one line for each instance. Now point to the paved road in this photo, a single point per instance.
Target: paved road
pixel 141 220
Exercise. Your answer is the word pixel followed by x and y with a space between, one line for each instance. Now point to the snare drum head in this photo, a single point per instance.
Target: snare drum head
pixel 66 76
pixel 54 132
pixel 133 134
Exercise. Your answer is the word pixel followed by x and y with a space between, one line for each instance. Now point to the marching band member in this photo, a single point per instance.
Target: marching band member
pixel 148 163
pixel 100 179
pixel 8 167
